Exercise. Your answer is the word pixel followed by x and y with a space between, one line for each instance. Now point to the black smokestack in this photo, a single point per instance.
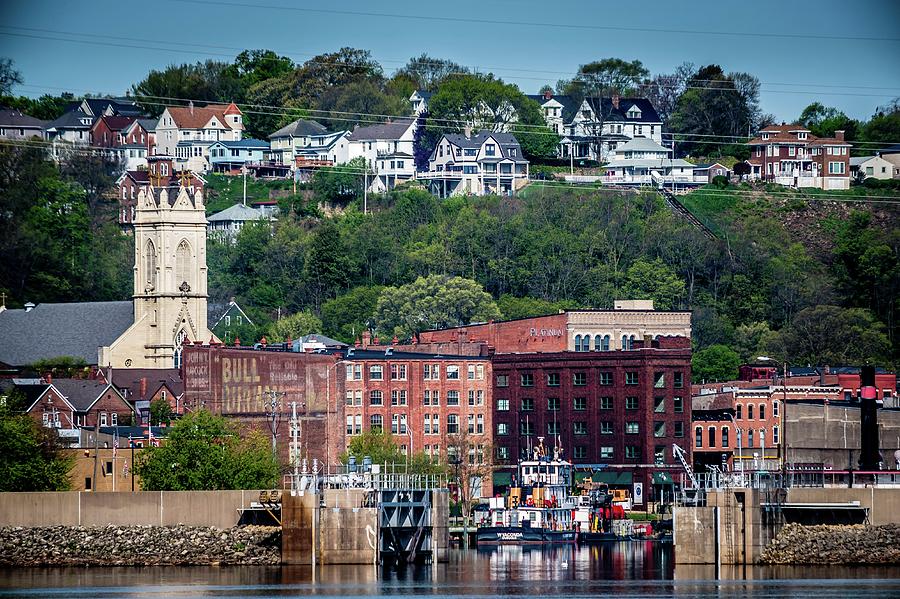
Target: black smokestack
pixel 869 455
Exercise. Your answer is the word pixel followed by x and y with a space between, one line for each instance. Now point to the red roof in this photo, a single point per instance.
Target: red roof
pixel 196 117
pixel 232 109
pixel 117 123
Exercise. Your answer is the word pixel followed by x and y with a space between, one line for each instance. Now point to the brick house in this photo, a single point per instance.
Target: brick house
pixel 791 155
pixel 615 411
pixel 161 172
pixel 142 386
pixel 74 403
pixel 109 131
pixel 422 399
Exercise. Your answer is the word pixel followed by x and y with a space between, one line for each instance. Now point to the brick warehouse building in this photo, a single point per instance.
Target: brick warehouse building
pixel 618 411
pixel 422 399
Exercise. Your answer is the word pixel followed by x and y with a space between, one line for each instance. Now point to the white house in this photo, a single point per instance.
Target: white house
pixel 865 167
pixel 228 223
pixel 186 132
pixel 485 163
pixel 642 161
pixel 419 100
pixel 388 149
pixel 307 143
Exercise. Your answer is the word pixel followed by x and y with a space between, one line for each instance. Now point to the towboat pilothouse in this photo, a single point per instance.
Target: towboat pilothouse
pixel 538 508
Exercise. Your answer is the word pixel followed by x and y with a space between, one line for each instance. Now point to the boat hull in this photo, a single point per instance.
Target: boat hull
pixel 517 535
pixel 590 538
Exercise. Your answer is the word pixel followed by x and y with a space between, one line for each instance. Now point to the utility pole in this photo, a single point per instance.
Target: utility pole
pixel 295 447
pixel 244 169
pixel 96 454
pixel 365 188
pixel 273 413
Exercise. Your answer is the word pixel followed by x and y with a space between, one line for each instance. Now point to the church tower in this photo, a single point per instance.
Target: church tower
pixel 169 280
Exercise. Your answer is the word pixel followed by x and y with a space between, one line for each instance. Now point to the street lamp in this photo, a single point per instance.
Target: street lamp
pixel 739 436
pixel 328 410
pixel 782 414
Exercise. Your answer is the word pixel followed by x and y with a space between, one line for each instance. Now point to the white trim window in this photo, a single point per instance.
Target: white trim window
pixel 836 168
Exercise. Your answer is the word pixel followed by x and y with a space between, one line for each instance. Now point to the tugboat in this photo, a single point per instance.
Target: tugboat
pixel 538 509
pixel 598 518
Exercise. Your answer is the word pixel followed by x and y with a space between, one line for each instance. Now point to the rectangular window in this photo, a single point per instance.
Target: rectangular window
pixel 398 372
pixel 580 404
pixel 579 379
pixel 526 427
pixel 606 427
pixel 470 372
pixel 479 424
pixel 452 424
pixel 502 429
pixel 376 398
pixel 632 428
pixel 471 421
pixel 452 398
pixel 426 400
pixel 553 428
pixel 471 398
pixel 606 403
pixel 349 425
pixel 435 424
pixel 348 400
pixel 631 378
pixel 452 372
pixel 580 452
pixel 376 372
pixel 527 404
pixel 553 379
pixel 398 397
pixel 376 422
pixel 102 418
pixel 606 379
pixel 503 453
pixel 679 430
pixel 503 405
pixel 503 380
pixel 114 418
pixel 725 439
pixel 836 168
pixel 659 455
pixel 678 380
pixel 579 428
pixel 631 403
pixel 659 429
pixel 553 404
pixel 632 452
pixel 527 380
pixel 659 405
pixel 606 452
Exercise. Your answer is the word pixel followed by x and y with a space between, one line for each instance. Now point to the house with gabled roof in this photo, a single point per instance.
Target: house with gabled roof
pixel 70 129
pixel 142 386
pixel 388 149
pixel 307 144
pixel 419 101
pixel 229 319
pixel 186 132
pixel 16 125
pixel 485 163
pixel 97 107
pixel 231 156
pixel 557 109
pixel 791 155
pixel 229 222
pixel 160 172
pixel 642 161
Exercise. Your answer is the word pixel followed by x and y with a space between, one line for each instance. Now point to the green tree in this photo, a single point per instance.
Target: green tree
pixel 326 265
pixel 376 444
pixel 348 315
pixel 884 126
pixel 653 280
pixel 9 76
pixel 752 340
pixel 294 326
pixel 205 452
pixel 715 363
pixel 431 302
pixel 32 459
pixel 209 81
pixel 522 307
pixel 831 335
pixel 605 77
pixel 161 413
pixel 340 183
pixel 823 121
pixel 427 73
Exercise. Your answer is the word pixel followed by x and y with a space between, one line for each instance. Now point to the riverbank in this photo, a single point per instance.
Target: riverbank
pixel 139 546
pixel 858 544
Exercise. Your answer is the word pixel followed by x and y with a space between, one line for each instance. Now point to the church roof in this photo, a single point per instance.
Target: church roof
pixel 54 330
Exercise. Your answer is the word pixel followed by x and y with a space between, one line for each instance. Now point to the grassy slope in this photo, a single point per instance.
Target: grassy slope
pixel 223 191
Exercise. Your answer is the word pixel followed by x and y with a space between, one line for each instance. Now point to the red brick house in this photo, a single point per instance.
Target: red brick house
pixel 160 173
pixel 791 155
pixel 108 131
pixel 142 386
pixel 74 403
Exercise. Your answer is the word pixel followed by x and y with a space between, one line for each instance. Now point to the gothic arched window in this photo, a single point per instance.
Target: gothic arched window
pixel 182 264
pixel 179 346
pixel 150 264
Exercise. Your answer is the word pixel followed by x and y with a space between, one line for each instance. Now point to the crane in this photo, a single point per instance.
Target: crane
pixel 682 455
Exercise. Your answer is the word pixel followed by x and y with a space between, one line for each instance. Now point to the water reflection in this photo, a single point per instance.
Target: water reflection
pixel 628 569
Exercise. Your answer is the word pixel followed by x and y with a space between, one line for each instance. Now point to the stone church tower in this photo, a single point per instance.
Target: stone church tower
pixel 169 281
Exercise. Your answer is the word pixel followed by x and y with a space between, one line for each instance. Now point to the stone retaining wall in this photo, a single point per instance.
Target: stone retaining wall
pixel 859 544
pixel 139 545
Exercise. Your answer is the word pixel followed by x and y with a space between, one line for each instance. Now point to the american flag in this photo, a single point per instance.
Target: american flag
pixel 116 443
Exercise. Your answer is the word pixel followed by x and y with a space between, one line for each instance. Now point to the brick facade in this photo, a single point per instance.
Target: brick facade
pixel 622 409
pixel 792 155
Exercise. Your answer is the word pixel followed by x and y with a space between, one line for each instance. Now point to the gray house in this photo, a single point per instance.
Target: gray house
pixel 15 125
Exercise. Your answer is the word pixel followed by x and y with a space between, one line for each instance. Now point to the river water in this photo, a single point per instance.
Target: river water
pixel 622 569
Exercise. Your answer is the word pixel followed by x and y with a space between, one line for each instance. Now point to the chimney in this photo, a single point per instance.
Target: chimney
pixel 548 94
pixel 869 455
pixel 615 100
pixel 191 106
pixel 468 131
pixel 48 378
pixel 29 306
pixel 839 135
pixel 366 339
pixel 143 387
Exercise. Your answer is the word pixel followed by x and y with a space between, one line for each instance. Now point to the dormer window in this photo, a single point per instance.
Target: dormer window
pixel 634 113
pixel 801 135
pixel 765 136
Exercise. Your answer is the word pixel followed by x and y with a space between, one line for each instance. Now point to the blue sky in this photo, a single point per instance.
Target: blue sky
pixel 524 42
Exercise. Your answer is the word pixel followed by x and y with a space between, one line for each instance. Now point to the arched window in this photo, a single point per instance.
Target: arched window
pixel 586 343
pixel 738 412
pixel 182 264
pixel 750 437
pixel 698 437
pixel 775 407
pixel 150 264
pixel 631 342
pixel 750 411
pixel 725 437
pixel 762 411
pixel 605 342
pixel 712 436
pixel 775 438
pixel 179 346
pixel 625 342
pixel 598 343
pixel 577 342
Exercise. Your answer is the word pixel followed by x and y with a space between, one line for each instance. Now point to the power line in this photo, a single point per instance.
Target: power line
pixel 545 25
